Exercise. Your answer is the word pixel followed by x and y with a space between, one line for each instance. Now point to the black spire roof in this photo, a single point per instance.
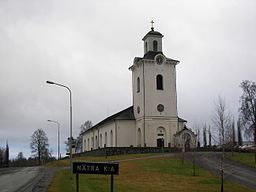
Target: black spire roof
pixel 152 32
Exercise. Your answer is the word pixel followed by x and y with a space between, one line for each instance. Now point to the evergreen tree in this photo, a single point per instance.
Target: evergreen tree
pixel 239 133
pixel 6 155
pixel 204 136
pixel 210 137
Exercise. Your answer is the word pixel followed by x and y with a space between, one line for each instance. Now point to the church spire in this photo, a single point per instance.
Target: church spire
pixel 152 25
pixel 152 40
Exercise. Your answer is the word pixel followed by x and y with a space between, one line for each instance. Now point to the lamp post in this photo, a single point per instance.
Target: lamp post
pixel 71 140
pixel 57 135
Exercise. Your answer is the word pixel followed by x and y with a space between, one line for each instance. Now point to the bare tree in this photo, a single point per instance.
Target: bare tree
pixel 20 156
pixel 20 160
pixel 39 145
pixel 248 107
pixel 221 120
pixel 229 134
pixel 79 143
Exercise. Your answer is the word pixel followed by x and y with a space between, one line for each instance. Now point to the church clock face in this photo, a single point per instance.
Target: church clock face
pixel 159 59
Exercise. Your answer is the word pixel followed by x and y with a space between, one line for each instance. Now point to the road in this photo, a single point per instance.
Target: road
pixel 19 179
pixel 232 171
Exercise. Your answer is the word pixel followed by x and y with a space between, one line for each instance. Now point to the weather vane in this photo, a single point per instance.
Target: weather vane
pixel 152 25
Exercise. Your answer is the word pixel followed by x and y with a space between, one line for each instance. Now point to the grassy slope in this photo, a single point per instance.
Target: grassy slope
pixel 157 174
pixel 244 158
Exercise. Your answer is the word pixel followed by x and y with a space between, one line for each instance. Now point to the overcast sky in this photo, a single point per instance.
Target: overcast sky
pixel 89 45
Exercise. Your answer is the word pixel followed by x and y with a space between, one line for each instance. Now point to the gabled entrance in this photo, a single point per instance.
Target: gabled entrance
pixel 160 137
pixel 160 142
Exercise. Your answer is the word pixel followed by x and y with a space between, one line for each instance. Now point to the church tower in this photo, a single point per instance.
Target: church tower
pixel 154 94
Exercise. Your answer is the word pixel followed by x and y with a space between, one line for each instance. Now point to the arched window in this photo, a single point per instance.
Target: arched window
pixel 155 46
pixel 138 85
pixel 92 141
pixel 100 140
pixel 96 142
pixel 88 143
pixel 106 140
pixel 139 137
pixel 146 47
pixel 187 141
pixel 161 137
pixel 111 138
pixel 159 82
pixel 84 147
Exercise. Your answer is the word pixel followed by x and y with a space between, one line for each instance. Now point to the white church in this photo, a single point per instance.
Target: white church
pixel 152 120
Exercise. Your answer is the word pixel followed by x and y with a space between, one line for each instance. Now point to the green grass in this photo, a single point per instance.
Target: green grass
pixel 172 166
pixel 143 175
pixel 65 162
pixel 243 158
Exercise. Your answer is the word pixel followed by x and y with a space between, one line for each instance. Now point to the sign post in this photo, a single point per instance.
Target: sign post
pixel 77 183
pixel 112 183
pixel 105 168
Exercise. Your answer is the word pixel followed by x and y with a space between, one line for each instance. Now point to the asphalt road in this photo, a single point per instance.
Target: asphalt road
pixel 232 171
pixel 19 179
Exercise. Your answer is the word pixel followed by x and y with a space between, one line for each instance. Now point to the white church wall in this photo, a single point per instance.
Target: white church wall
pixel 138 95
pixel 153 97
pixel 105 136
pixel 87 140
pixel 125 133
pixel 108 139
pixel 169 127
pixel 167 96
pixel 173 130
pixel 139 138
pixel 181 126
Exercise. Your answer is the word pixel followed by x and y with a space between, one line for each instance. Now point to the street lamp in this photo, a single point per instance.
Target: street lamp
pixel 58 136
pixel 70 144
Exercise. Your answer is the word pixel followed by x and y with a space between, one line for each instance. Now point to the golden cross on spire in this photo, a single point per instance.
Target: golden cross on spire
pixel 152 25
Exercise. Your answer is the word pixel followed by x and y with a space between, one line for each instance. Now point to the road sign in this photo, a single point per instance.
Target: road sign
pixel 105 168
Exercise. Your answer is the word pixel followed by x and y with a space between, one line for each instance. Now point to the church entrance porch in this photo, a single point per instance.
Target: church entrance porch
pixel 160 137
pixel 187 141
pixel 160 142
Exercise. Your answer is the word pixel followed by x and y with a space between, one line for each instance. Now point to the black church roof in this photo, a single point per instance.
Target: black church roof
pixel 126 114
pixel 152 32
pixel 181 120
pixel 184 129
pixel 151 56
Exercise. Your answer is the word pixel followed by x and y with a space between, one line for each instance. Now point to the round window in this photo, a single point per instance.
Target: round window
pixel 138 109
pixel 160 108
